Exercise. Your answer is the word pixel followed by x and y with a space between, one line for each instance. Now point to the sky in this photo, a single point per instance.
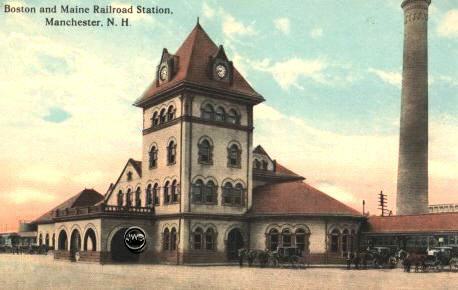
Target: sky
pixel 330 71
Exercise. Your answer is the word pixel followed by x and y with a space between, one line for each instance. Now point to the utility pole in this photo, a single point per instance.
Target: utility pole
pixel 382 203
pixel 364 204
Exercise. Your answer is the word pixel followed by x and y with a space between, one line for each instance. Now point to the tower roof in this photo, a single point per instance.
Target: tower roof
pixel 193 62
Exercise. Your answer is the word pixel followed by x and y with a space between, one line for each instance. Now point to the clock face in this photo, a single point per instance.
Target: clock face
pixel 221 71
pixel 164 73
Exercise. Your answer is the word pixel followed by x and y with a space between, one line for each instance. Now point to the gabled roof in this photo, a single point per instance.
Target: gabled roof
pixel 297 198
pixel 423 223
pixel 87 197
pixel 193 63
pixel 260 150
pixel 137 165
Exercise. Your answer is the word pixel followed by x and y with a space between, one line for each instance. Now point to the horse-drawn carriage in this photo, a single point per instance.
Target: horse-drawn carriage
pixel 281 257
pixel 375 257
pixel 436 259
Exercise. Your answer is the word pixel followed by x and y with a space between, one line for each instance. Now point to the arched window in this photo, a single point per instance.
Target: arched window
pixel 273 239
pixel 207 112
pixel 232 117
pixel 171 113
pixel 220 114
pixel 153 157
pixel 256 164
pixel 148 196
pixel 209 239
pixel 175 193
pixel 264 165
pixel 232 195
pixel 128 198
pixel 53 241
pixel 205 152
pixel 138 201
pixel 156 194
pixel 40 239
pixel 155 119
pixel 197 191
pixel 286 238
pixel 197 239
pixel 167 198
pixel 334 237
pixel 171 153
pixel 163 116
pixel 129 176
pixel 166 239
pixel 120 198
pixel 233 156
pixel 173 239
pixel 301 240
pixel 209 192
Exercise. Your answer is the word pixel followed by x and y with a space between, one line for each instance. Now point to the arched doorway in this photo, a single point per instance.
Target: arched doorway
pixel 62 243
pixel 75 242
pixel 90 241
pixel 119 251
pixel 234 243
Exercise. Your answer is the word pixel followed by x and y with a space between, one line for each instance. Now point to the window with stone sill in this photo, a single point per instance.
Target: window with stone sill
pixel 153 157
pixel 171 113
pixel 204 193
pixel 205 154
pixel 156 190
pixel 234 156
pixel 167 197
pixel 232 196
pixel 204 241
pixel 163 116
pixel 171 153
pixel 175 194
pixel 138 201
pixel 220 114
pixel 148 198
pixel 233 117
pixel 155 119
pixel 129 198
pixel 120 198
pixel 207 112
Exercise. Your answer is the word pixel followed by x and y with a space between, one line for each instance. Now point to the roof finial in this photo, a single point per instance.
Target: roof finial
pixel 197 20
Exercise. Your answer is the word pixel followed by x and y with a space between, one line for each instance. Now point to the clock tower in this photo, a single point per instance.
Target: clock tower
pixel 197 148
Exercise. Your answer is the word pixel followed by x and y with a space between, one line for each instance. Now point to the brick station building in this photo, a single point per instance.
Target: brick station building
pixel 200 191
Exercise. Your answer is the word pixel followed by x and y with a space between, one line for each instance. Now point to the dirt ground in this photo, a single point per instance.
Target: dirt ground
pixel 42 272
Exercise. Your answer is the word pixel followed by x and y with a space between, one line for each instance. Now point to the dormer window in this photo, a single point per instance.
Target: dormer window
pixel 167 67
pixel 220 66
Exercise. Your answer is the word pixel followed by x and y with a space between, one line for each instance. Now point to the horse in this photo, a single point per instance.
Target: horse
pixel 417 260
pixel 253 255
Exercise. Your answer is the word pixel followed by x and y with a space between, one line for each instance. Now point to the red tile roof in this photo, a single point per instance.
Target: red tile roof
pixel 193 61
pixel 87 197
pixel 435 222
pixel 297 197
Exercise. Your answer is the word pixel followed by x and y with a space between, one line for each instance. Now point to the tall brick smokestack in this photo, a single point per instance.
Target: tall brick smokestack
pixel 412 196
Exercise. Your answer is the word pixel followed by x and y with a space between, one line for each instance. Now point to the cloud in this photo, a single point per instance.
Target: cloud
pixel 448 26
pixel 207 11
pixel 233 28
pixel 27 195
pixel 42 174
pixel 391 77
pixel 282 24
pixel 316 32
pixel 353 167
pixel 288 73
pixel 337 192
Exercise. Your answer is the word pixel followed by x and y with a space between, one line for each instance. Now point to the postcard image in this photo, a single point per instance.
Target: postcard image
pixel 228 144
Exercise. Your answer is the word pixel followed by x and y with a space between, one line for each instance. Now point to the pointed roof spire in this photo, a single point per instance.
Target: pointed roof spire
pixel 193 65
